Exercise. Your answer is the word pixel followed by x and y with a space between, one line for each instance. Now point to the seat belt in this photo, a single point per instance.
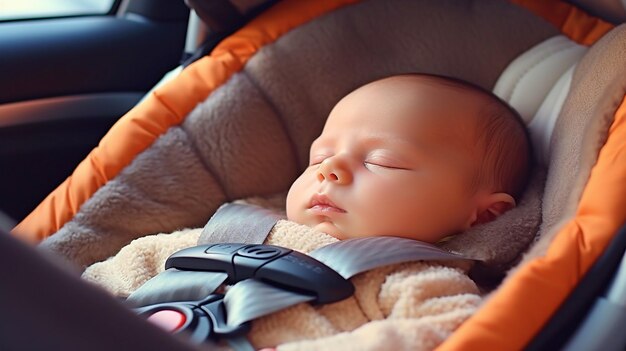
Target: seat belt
pixel 253 298
pixel 242 223
pixel 265 278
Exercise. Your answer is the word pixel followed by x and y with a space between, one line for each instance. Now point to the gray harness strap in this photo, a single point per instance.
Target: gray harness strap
pixel 354 256
pixel 240 223
pixel 250 299
pixel 232 222
pixel 176 285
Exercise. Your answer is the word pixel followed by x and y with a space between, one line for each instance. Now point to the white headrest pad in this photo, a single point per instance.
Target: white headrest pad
pixel 536 84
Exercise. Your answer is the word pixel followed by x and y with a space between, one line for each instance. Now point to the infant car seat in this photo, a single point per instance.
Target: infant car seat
pixel 238 122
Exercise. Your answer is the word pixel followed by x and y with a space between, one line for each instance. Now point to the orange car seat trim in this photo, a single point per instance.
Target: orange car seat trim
pixel 166 107
pixel 572 21
pixel 516 313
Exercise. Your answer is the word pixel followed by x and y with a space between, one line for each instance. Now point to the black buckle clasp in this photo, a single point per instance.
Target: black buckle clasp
pixel 285 268
pixel 201 320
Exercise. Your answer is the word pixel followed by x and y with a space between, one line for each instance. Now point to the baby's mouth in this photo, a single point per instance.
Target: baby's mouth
pixel 321 203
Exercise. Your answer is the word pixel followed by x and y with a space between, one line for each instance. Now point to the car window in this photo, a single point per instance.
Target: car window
pixel 27 9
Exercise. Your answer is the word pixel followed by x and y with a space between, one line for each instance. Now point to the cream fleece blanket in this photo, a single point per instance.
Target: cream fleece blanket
pixel 411 306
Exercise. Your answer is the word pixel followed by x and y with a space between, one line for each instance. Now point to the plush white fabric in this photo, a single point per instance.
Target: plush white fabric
pixel 416 304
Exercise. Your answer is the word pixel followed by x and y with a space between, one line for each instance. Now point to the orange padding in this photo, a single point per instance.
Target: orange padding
pixel 572 21
pixel 525 302
pixel 168 106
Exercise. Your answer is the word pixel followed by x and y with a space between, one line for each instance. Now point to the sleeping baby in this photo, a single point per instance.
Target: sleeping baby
pixel 416 156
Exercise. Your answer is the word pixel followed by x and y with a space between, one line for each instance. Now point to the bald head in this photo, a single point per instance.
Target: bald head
pixel 413 156
pixel 488 126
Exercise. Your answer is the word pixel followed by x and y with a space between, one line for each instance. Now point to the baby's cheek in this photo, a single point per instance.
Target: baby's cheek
pixel 292 203
pixel 377 211
pixel 416 212
pixel 297 199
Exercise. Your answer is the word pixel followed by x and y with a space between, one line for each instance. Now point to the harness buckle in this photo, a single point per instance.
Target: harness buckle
pixel 282 267
pixel 202 321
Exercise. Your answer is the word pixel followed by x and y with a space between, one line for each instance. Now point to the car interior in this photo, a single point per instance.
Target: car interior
pixel 146 119
pixel 63 88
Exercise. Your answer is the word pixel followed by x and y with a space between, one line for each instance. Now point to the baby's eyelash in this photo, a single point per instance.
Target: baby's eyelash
pixel 366 163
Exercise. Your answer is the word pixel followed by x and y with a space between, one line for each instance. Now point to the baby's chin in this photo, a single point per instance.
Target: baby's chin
pixel 330 229
pixel 325 227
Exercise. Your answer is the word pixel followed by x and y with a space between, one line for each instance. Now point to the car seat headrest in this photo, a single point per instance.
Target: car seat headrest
pixel 536 84
pixel 224 15
pixel 246 6
pixel 613 11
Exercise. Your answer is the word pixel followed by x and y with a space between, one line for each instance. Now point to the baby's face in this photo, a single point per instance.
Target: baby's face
pixel 393 159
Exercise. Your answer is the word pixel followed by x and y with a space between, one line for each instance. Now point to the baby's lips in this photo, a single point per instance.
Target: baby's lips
pixel 324 201
pixel 326 209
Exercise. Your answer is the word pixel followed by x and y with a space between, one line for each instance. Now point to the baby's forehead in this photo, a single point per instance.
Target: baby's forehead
pixel 422 99
pixel 421 92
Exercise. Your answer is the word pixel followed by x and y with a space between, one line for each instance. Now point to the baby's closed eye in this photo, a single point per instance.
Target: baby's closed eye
pixel 373 166
pixel 384 162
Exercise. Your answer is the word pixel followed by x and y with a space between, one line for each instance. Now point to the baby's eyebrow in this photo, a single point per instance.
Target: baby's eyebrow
pixel 385 140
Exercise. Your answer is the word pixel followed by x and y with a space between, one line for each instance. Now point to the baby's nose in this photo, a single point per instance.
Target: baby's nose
pixel 334 169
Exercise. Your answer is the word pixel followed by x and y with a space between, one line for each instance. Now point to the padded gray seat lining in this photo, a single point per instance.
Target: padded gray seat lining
pixel 251 136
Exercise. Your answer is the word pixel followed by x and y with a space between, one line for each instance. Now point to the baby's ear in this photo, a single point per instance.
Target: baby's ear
pixel 492 206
